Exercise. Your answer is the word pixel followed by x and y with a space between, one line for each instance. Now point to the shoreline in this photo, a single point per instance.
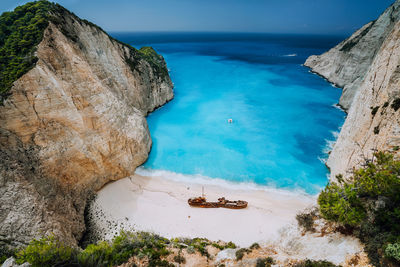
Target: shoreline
pixel 224 184
pixel 158 204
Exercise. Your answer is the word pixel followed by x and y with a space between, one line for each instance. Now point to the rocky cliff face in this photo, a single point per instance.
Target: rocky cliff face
pixel 347 64
pixel 71 124
pixel 367 65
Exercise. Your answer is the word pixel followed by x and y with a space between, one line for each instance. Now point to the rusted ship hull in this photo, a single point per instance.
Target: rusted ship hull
pixel 202 203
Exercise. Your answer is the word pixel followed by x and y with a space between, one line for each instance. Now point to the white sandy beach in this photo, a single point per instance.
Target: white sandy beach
pixel 159 205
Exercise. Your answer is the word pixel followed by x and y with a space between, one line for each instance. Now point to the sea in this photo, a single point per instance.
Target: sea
pixel 246 111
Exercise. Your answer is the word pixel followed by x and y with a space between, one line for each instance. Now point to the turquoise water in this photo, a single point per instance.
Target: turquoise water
pixel 283 116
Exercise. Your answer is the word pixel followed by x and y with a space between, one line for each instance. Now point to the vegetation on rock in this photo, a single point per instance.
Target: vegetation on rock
pixel 5 253
pixel 306 219
pixel 147 248
pixel 241 252
pixel 396 104
pixel 200 245
pixel 135 249
pixel 50 252
pixel 393 251
pixel 20 32
pixel 179 259
pixel 312 263
pixel 46 252
pixel 155 60
pixel 369 204
pixel 265 262
pixel 254 246
pixel 374 110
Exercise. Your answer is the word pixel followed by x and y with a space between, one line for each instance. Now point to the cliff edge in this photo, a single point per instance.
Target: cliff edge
pixel 347 64
pixel 71 121
pixel 367 66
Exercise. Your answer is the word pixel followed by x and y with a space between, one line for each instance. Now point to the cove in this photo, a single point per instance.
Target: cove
pixel 283 116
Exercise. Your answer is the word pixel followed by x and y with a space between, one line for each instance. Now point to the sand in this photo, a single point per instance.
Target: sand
pixel 159 204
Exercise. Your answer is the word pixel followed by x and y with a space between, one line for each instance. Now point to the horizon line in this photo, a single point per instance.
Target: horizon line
pixel 226 32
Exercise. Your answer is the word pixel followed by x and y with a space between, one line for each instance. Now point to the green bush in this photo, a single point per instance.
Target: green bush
pixel 200 244
pixel 5 253
pixel 96 255
pixel 20 32
pixel 46 252
pixel 369 203
pixel 312 263
pixel 179 259
pixel 254 246
pixel 265 262
pixel 393 251
pixel 50 252
pixel 218 246
pixel 191 250
pixel 341 204
pixel 3 258
pixel 155 60
pixel 240 253
pixel 230 245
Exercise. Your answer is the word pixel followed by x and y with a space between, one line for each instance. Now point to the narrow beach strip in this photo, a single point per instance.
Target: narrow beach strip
pixel 158 204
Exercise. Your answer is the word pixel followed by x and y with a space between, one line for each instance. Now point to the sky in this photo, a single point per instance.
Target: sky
pixel 339 17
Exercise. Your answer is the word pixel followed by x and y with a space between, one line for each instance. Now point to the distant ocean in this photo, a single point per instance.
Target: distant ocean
pixel 283 117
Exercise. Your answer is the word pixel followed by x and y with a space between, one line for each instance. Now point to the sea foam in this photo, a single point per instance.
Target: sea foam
pixel 204 180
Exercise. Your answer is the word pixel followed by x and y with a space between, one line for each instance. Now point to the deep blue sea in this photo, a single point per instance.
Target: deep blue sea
pixel 284 117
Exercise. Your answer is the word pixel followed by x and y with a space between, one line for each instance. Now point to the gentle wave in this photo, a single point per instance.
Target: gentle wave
pixel 337 106
pixel 205 180
pixel 329 144
pixel 291 55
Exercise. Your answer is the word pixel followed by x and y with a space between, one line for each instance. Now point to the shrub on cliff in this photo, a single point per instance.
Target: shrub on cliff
pixel 265 262
pixel 306 219
pixel 312 263
pixel 240 253
pixel 200 245
pixel 341 204
pixel 50 252
pixel 179 259
pixel 369 203
pixel 46 252
pixel 393 251
pixel 254 246
pixel 20 32
pixel 5 253
pixel 155 60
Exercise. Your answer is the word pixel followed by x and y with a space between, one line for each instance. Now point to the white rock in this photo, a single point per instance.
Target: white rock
pixel 226 254
pixel 10 262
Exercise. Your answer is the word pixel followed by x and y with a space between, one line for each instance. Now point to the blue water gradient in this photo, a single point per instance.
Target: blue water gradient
pixel 282 114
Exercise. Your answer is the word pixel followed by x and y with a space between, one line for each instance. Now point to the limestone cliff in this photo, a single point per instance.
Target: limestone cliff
pixel 72 123
pixel 367 65
pixel 347 64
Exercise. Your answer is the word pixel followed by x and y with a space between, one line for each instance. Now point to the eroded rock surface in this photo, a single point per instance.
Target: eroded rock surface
pixel 71 124
pixel 347 64
pixel 367 65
